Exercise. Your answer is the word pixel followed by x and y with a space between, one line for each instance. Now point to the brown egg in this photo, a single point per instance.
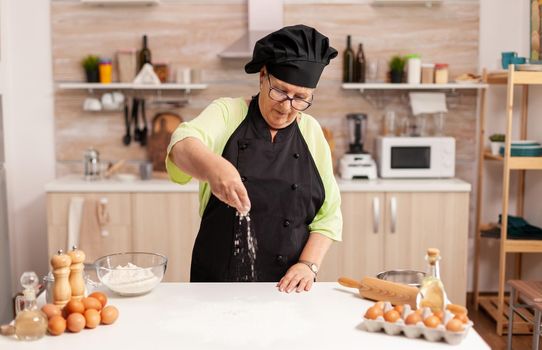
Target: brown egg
pixel 74 306
pixel 51 310
pixel 413 318
pixel 56 325
pixel 439 314
pixel 462 317
pixel 102 298
pixel 419 311
pixel 457 309
pixel 432 321
pixel 455 325
pixel 379 304
pixel 92 303
pixel 373 312
pixel 76 322
pixel 399 309
pixel 109 314
pixel 92 318
pixel 392 316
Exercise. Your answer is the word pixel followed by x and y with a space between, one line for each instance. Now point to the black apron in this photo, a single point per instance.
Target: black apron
pixel 285 191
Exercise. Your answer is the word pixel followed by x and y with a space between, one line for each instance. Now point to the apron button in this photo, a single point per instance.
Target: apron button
pixel 296 155
pixel 295 186
pixel 243 146
pixel 286 223
pixel 281 259
pixel 243 178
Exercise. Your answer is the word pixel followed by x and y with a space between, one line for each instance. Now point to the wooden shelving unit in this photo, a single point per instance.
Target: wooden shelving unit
pixel 497 307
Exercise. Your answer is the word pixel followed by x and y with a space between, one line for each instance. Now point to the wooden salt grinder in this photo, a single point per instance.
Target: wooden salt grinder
pixel 77 282
pixel 61 270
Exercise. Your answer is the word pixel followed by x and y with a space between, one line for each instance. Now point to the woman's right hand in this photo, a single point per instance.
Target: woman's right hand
pixel 227 186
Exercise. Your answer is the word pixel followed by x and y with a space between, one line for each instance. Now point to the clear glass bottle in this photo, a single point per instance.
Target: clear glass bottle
pixel 432 292
pixel 30 322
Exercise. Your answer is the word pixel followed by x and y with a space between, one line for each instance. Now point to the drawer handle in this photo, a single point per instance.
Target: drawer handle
pixel 376 214
pixel 393 210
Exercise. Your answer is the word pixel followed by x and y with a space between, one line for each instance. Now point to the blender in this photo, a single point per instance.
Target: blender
pixel 356 163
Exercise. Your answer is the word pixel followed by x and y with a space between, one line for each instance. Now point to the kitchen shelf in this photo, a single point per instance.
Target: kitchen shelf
pixel 403 86
pixel 519 78
pixel 497 307
pixel 518 163
pixel 130 86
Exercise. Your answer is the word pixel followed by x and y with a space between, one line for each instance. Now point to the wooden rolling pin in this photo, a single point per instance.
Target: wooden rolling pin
pixel 379 290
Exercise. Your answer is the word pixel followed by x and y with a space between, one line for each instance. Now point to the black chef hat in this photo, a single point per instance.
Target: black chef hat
pixel 295 54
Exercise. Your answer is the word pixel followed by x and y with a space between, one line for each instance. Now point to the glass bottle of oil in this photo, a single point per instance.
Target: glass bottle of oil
pixel 432 292
pixel 30 322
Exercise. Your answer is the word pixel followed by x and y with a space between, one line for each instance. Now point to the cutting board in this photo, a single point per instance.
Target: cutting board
pixel 163 126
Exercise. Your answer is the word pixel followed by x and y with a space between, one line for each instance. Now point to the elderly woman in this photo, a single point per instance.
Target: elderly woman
pixel 268 159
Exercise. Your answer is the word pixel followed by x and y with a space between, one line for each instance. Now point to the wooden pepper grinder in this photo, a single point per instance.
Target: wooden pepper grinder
pixel 61 270
pixel 77 282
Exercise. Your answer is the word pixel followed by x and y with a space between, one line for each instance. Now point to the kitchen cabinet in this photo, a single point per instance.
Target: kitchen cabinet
pixel 392 230
pixel 164 223
pixel 167 223
pixel 113 237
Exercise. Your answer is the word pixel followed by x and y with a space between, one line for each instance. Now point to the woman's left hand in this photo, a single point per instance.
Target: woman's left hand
pixel 298 277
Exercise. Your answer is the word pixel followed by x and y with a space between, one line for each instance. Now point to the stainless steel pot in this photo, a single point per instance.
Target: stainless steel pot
pixel 410 277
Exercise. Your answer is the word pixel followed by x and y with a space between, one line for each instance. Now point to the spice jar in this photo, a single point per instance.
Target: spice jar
pixel 428 73
pixel 106 71
pixel 162 71
pixel 441 73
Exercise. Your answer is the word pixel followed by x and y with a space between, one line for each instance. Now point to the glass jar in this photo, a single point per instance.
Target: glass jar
pixel 162 71
pixel 428 73
pixel 106 71
pixel 127 65
pixel 441 73
pixel 414 64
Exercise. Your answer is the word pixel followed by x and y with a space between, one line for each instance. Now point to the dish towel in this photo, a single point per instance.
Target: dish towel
pixel 427 102
pixel 90 234
pixel 75 212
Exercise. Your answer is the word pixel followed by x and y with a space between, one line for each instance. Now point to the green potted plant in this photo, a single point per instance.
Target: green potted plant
pixel 90 64
pixel 397 66
pixel 497 140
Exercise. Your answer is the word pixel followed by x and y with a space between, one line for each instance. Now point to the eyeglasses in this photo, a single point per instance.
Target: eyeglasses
pixel 278 95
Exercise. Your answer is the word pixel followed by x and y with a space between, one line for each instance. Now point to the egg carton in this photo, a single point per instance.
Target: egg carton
pixel 415 331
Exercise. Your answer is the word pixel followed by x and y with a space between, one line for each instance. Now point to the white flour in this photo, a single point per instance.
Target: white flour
pixel 130 279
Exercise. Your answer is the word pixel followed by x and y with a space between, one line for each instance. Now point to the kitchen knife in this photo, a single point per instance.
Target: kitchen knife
pixel 380 290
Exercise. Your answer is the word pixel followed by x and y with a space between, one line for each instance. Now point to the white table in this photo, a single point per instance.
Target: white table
pixel 237 316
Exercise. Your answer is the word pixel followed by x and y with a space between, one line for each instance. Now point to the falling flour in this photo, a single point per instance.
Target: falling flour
pixel 244 251
pixel 130 279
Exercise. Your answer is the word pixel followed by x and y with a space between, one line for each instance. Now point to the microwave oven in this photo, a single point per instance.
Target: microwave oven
pixel 415 157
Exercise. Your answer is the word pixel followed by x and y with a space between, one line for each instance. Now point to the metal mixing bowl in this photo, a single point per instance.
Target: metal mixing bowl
pixel 410 277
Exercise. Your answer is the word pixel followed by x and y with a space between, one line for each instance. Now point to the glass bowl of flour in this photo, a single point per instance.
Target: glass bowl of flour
pixel 131 274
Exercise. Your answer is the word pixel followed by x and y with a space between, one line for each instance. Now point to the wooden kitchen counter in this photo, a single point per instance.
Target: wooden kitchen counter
pixel 238 316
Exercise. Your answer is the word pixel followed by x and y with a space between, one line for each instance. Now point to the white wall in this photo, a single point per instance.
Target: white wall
pixel 28 90
pixel 504 26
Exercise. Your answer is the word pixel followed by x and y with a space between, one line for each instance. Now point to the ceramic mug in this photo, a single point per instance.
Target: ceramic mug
pixel 506 58
pixel 92 104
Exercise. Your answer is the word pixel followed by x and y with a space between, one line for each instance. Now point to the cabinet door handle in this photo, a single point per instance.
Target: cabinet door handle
pixel 376 214
pixel 393 210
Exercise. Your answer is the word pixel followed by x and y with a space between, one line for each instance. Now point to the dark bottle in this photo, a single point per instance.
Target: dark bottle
pixel 348 62
pixel 144 54
pixel 359 65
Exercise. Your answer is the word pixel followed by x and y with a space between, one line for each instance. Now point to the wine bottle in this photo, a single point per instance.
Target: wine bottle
pixel 144 54
pixel 360 65
pixel 348 62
